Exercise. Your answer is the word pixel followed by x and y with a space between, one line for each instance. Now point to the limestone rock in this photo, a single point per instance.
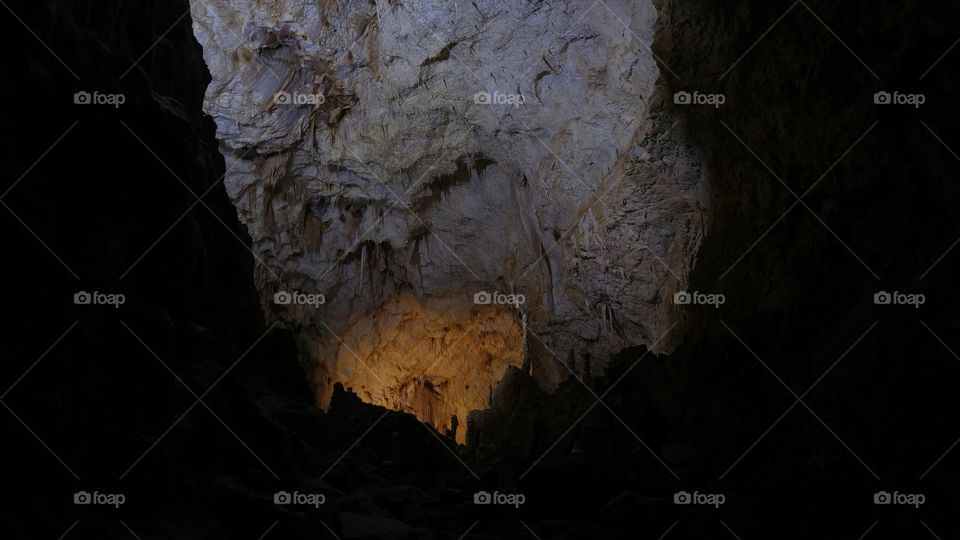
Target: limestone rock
pixel 401 157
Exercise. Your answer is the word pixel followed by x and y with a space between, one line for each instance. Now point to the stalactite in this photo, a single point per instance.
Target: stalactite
pixel 524 342
pixel 363 260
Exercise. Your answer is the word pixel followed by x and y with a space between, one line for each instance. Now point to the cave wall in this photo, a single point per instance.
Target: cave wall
pixel 416 154
pixel 98 198
pixel 799 283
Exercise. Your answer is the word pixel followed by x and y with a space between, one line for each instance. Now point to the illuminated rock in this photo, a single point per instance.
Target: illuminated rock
pixel 400 158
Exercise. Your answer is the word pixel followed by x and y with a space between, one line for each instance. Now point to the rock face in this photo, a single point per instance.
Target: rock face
pixel 404 158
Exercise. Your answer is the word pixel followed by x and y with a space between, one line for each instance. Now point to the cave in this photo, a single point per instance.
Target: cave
pixel 417 269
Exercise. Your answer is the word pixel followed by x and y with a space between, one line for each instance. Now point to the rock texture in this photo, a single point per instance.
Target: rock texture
pixel 400 157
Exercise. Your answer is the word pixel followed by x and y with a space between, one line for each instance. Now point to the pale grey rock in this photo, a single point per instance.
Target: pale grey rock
pixel 459 147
